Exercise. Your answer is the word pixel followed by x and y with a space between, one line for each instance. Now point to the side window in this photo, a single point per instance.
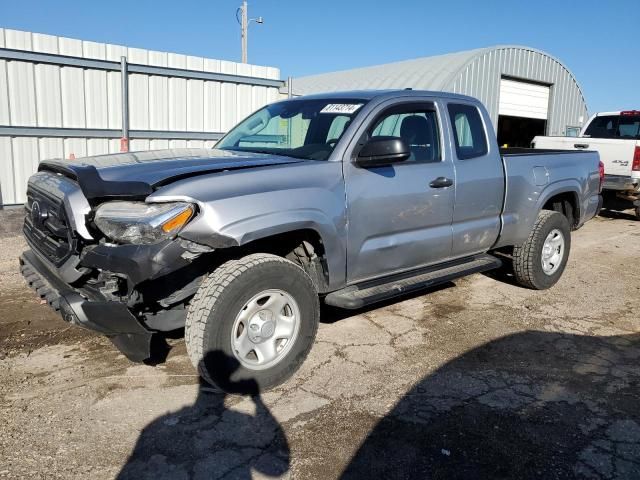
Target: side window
pixel 468 130
pixel 338 125
pixel 629 127
pixel 417 126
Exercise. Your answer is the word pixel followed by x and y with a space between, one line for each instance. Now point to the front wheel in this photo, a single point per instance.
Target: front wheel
pixel 252 323
pixel 539 262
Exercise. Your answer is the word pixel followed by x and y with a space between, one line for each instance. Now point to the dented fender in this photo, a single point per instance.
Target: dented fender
pixel 236 208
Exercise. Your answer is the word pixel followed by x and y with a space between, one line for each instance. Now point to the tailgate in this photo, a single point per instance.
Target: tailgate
pixel 557 143
pixel 616 154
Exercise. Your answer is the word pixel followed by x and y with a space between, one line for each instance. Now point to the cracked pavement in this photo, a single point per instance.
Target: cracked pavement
pixel 481 379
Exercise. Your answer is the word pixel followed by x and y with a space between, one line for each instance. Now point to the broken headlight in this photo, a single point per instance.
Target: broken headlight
pixel 142 223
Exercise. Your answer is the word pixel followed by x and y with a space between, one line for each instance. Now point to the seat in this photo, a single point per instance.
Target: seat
pixel 417 132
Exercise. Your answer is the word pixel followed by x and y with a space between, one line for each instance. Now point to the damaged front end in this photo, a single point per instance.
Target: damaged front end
pixel 127 280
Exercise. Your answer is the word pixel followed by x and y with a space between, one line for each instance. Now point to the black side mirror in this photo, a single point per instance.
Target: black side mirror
pixel 380 151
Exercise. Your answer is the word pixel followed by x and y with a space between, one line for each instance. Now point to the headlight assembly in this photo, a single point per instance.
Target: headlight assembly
pixel 142 223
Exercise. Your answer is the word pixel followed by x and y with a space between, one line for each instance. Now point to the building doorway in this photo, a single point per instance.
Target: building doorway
pixel 519 131
pixel 522 112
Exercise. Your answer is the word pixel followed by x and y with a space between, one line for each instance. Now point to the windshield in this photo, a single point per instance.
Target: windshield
pixel 306 129
pixel 614 126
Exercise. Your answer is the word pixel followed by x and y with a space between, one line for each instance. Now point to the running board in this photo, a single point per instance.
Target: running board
pixel 366 293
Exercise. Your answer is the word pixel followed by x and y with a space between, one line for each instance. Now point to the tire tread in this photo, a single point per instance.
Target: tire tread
pixel 205 299
pixel 524 257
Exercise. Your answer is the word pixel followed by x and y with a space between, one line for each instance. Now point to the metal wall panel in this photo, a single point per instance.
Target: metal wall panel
pixel 158 144
pixel 228 98
pixel 75 147
pixel 27 149
pixel 177 95
pixel 96 90
pixel 51 147
pixel 47 84
pixel 195 97
pixel 72 82
pixel 139 144
pixel 158 94
pixel 50 95
pixel 7 178
pixel 97 146
pixel 5 118
pixel 138 91
pixel 22 98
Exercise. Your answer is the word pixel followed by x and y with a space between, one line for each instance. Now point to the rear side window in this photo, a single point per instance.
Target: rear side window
pixel 614 126
pixel 468 131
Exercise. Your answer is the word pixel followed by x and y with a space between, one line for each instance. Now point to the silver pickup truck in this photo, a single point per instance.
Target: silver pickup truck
pixel 347 198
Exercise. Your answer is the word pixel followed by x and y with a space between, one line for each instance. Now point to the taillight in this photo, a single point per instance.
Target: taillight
pixel 601 172
pixel 630 113
pixel 636 160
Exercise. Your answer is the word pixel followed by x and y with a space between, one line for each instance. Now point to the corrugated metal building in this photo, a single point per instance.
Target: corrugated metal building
pixel 61 96
pixel 527 92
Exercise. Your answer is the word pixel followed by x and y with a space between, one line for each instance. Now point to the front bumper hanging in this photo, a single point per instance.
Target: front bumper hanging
pixel 112 319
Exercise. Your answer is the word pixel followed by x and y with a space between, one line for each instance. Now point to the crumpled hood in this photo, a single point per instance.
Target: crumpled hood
pixel 137 173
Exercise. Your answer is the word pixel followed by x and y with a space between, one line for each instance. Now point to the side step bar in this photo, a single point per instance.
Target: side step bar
pixel 366 293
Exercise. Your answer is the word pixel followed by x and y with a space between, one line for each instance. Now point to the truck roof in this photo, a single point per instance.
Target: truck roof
pixel 602 114
pixel 371 94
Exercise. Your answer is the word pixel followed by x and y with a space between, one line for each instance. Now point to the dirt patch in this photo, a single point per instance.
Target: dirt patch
pixel 446 310
pixel 26 325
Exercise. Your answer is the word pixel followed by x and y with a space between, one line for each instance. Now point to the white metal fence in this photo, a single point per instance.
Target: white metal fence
pixel 61 97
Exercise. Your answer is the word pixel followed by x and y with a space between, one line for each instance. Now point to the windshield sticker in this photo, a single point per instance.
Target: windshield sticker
pixel 345 108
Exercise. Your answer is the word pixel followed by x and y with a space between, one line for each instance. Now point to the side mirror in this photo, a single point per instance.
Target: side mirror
pixel 381 151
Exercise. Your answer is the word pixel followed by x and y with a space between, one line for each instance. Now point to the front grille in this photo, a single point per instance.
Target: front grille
pixel 46 226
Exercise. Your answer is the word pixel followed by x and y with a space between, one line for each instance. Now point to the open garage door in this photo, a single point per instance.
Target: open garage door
pixel 522 112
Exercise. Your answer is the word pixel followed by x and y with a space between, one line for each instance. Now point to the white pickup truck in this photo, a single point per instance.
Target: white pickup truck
pixel 616 137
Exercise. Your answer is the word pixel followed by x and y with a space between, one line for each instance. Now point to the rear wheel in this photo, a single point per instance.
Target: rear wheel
pixel 638 213
pixel 540 261
pixel 252 323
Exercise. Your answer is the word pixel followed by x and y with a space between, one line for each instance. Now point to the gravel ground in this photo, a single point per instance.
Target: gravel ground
pixel 481 379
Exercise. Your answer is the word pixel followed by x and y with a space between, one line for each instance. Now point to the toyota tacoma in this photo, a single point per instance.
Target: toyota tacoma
pixel 344 198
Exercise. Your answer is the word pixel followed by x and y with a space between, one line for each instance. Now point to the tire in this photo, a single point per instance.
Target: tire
pixel 637 211
pixel 528 258
pixel 218 312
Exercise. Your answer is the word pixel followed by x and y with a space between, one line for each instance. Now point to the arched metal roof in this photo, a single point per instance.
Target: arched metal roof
pixel 473 72
pixel 427 73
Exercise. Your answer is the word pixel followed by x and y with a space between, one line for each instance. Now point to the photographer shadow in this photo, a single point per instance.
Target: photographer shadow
pixel 209 440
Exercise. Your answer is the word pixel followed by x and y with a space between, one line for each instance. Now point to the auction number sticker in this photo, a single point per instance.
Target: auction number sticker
pixel 345 108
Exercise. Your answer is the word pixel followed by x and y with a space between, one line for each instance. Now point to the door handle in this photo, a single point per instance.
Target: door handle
pixel 441 182
pixel 581 145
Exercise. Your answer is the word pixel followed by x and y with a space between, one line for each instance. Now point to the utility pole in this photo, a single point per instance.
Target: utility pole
pixel 244 22
pixel 245 30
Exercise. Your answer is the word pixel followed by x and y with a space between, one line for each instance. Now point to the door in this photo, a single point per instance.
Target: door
pixel 479 181
pixel 523 99
pixel 523 111
pixel 398 218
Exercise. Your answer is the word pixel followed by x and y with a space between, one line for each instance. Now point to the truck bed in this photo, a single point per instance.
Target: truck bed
pixel 531 173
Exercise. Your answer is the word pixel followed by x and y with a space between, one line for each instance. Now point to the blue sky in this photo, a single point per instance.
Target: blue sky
pixel 598 40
